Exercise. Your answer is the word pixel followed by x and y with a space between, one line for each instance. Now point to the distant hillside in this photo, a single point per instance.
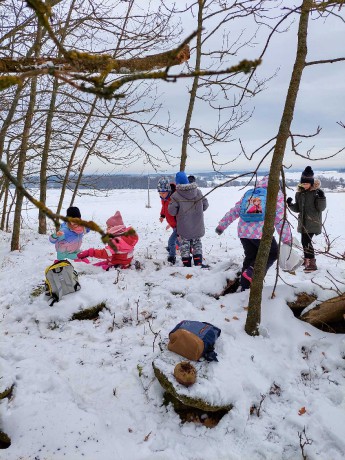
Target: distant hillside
pixel 331 180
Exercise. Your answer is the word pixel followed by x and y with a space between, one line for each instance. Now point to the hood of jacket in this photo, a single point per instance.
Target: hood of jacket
pixel 315 186
pixel 187 191
pixel 76 228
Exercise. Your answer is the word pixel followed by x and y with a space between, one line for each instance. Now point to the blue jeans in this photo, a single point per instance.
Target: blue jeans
pixel 172 243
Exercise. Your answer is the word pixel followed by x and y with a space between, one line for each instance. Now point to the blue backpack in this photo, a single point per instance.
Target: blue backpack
pixel 194 339
pixel 253 205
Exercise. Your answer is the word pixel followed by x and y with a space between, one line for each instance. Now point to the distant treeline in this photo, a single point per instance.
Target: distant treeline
pixel 125 181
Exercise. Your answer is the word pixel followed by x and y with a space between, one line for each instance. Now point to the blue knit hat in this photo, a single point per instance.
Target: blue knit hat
pixel 181 178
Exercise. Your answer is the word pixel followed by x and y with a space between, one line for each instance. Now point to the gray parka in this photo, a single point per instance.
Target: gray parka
pixel 309 206
pixel 188 205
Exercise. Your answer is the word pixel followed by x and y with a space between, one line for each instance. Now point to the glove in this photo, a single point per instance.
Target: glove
pixel 320 193
pixel 219 231
pixel 83 254
pixel 289 201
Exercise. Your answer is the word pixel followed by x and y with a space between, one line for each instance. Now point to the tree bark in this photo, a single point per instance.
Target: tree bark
pixel 255 298
pixel 74 151
pixel 42 219
pixel 23 149
pixel 193 90
pixel 89 63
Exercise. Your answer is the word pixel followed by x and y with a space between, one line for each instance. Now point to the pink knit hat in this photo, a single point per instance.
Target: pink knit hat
pixel 115 223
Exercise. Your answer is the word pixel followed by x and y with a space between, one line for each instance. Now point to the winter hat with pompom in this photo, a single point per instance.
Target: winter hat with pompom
pixel 115 223
pixel 307 176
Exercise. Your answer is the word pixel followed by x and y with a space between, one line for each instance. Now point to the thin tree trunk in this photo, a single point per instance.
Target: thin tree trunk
pixel 6 187
pixel 23 149
pixel 71 160
pixel 193 90
pixel 255 298
pixel 42 219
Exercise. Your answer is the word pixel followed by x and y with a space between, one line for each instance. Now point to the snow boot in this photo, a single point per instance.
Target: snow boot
pixel 248 274
pixel 310 266
pixel 172 259
pixel 197 259
pixel 187 261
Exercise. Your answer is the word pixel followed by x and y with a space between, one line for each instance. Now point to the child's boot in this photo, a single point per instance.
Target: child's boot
pixel 187 261
pixel 310 266
pixel 172 259
pixel 197 259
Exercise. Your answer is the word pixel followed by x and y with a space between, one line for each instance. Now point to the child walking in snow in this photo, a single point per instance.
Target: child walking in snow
pixel 188 205
pixel 69 238
pixel 310 201
pixel 125 238
pixel 165 191
pixel 250 234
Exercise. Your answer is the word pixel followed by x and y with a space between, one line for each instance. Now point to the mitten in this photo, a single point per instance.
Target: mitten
pixel 289 201
pixel 219 231
pixel 320 193
pixel 84 254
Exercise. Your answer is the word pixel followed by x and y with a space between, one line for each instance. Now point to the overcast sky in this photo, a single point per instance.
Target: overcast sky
pixel 321 102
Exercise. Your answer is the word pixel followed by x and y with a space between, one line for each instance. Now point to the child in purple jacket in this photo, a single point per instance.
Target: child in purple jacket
pixel 250 234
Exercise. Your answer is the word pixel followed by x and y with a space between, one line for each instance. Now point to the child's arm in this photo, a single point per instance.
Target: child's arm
pixel 229 217
pixel 320 201
pixel 58 236
pixel 294 206
pixel 173 206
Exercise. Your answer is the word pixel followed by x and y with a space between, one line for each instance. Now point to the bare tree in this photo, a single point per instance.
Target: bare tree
pixel 255 299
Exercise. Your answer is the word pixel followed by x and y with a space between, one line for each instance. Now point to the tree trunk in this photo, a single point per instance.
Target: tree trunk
pixel 193 90
pixel 23 149
pixel 255 298
pixel 6 187
pixel 71 160
pixel 42 219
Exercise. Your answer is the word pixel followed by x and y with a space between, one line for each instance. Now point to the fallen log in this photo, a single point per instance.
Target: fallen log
pixel 329 313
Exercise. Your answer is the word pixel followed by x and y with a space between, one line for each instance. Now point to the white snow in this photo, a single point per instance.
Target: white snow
pixel 78 389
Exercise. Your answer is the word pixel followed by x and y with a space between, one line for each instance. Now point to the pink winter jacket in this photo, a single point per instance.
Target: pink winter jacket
pixel 253 230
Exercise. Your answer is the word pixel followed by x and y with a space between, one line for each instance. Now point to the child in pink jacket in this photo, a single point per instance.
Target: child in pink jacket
pixel 125 238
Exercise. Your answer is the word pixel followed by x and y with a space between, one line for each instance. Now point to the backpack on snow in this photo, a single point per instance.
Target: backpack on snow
pixel 253 205
pixel 194 339
pixel 61 279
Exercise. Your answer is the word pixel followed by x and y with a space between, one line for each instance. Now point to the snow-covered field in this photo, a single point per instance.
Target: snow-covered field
pixel 86 389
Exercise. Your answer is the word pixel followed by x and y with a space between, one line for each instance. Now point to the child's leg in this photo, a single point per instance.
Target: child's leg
pixel 273 255
pixel 196 249
pixel 185 252
pixel 172 243
pixel 250 248
pixel 308 245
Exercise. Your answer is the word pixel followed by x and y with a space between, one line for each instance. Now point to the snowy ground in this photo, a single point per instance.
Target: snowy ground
pixel 86 389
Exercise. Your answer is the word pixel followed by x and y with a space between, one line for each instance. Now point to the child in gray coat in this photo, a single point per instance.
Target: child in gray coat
pixel 188 205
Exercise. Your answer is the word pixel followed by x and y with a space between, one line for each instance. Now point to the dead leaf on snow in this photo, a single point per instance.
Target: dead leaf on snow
pixel 302 411
pixel 188 276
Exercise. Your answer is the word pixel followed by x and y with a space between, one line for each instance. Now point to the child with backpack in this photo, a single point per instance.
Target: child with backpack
pixel 188 205
pixel 69 238
pixel 124 239
pixel 310 201
pixel 165 190
pixel 250 225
